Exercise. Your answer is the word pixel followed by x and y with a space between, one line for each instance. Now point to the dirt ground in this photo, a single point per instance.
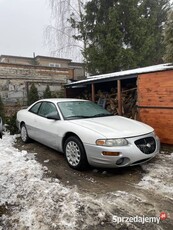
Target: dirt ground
pixel 103 181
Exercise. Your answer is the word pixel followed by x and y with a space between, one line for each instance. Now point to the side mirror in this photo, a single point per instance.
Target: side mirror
pixel 53 116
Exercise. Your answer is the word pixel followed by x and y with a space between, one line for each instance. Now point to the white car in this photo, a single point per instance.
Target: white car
pixel 87 133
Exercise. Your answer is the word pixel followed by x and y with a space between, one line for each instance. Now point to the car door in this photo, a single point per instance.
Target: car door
pixel 30 120
pixel 46 130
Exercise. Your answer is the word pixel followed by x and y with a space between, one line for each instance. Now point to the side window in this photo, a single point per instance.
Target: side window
pixel 35 108
pixel 47 108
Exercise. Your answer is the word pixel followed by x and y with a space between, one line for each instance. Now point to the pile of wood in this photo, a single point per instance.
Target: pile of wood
pixel 129 97
pixel 129 103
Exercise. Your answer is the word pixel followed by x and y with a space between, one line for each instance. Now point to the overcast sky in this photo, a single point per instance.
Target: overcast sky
pixel 22 24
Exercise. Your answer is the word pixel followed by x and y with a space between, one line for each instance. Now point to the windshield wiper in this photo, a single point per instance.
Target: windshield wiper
pixel 77 116
pixel 82 116
pixel 103 115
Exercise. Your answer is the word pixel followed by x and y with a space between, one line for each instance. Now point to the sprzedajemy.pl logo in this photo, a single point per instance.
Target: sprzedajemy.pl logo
pixel 139 219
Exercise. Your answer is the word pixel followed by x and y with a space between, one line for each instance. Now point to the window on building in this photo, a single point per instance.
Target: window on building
pixel 54 65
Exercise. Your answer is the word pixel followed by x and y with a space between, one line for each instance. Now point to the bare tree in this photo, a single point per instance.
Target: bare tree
pixel 60 34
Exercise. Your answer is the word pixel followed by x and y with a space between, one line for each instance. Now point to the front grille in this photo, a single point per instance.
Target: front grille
pixel 146 145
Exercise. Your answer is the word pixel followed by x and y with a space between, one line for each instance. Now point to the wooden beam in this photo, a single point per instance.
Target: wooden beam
pixel 93 92
pixel 119 97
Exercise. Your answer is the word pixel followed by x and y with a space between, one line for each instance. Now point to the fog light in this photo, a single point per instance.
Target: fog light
pixel 120 161
pixel 111 153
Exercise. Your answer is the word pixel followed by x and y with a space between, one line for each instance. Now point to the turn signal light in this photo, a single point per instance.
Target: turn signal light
pixel 100 142
pixel 110 153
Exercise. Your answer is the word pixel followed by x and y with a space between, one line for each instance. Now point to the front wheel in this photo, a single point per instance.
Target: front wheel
pixel 75 153
pixel 24 134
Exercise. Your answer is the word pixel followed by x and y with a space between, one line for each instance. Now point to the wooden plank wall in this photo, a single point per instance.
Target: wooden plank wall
pixel 155 101
pixel 161 120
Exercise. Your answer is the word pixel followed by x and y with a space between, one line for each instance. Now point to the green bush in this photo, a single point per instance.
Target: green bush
pixel 32 94
pixel 11 124
pixel 47 93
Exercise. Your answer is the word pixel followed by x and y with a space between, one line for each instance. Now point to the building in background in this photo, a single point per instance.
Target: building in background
pixel 18 73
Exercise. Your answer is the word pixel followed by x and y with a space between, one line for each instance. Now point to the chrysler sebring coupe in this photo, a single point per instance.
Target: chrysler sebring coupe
pixel 87 134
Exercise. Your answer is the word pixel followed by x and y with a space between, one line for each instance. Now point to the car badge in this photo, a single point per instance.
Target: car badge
pixel 148 145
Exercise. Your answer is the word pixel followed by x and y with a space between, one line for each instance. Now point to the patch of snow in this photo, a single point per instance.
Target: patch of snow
pixel 46 161
pixel 37 202
pixel 159 175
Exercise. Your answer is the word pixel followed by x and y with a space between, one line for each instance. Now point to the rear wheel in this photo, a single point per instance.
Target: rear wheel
pixel 24 134
pixel 75 153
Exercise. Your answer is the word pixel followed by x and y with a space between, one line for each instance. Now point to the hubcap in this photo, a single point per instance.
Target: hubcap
pixel 23 133
pixel 73 153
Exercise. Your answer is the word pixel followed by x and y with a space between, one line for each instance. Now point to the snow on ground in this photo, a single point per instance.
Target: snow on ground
pixel 159 176
pixel 38 202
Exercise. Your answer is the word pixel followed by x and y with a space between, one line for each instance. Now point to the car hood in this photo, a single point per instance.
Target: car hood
pixel 114 126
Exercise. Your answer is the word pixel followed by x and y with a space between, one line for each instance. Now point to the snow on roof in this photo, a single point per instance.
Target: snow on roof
pixel 123 74
pixel 56 100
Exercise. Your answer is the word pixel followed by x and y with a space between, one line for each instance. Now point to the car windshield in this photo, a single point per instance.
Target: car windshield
pixel 81 109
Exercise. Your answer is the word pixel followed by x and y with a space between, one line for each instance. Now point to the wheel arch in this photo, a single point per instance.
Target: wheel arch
pixel 21 123
pixel 69 134
pixel 83 164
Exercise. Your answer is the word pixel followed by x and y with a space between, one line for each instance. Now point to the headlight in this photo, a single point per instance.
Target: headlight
pixel 112 142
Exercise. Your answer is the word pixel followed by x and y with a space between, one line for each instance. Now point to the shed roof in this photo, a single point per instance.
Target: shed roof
pixel 133 73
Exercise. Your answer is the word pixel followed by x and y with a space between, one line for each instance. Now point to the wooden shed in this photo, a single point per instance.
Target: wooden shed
pixel 155 102
pixel 154 95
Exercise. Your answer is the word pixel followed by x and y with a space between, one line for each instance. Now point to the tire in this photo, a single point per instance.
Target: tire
pixel 24 134
pixel 0 135
pixel 75 153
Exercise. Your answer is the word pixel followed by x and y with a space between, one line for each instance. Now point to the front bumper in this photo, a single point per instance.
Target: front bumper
pixel 129 155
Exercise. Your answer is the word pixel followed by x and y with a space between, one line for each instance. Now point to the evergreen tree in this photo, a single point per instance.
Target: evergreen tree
pixel 11 124
pixel 33 94
pixel 2 112
pixel 168 38
pixel 47 92
pixel 121 34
